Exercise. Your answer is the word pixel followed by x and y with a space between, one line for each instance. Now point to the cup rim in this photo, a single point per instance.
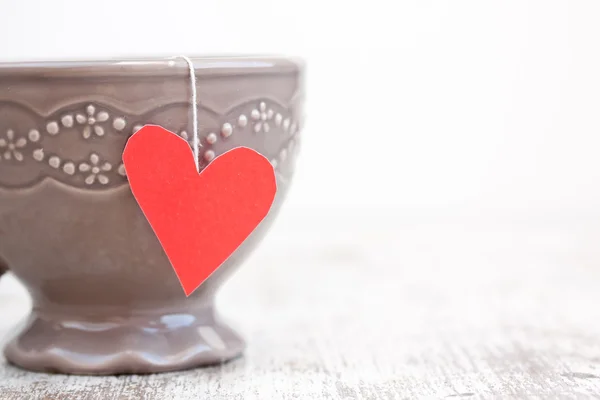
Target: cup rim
pixel 164 66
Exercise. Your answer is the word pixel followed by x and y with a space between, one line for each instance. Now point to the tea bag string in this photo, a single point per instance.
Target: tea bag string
pixel 195 135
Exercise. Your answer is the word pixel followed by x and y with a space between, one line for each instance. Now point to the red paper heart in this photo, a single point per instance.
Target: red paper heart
pixel 199 219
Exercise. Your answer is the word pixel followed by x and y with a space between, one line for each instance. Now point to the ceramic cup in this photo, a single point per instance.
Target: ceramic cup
pixel 105 298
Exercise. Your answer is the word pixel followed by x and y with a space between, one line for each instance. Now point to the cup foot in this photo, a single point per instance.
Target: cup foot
pixel 147 343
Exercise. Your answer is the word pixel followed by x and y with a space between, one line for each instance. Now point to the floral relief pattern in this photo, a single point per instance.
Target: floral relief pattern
pixel 99 169
pixel 262 116
pixel 94 170
pixel 11 146
pixel 92 121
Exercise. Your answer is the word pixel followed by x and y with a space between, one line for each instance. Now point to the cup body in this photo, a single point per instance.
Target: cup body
pixel 105 298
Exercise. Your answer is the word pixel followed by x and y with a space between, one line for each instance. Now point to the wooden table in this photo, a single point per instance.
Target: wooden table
pixel 380 307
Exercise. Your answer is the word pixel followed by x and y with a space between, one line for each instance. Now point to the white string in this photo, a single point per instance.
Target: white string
pixel 195 139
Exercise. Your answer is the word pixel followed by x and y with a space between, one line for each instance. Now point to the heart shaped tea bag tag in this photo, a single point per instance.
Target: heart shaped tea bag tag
pixel 199 218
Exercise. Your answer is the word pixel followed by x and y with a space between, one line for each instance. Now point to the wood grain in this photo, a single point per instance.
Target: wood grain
pixel 377 308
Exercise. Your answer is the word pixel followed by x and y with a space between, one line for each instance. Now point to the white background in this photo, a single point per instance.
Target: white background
pixel 455 108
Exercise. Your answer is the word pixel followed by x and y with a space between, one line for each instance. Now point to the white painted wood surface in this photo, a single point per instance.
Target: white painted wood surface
pixel 386 308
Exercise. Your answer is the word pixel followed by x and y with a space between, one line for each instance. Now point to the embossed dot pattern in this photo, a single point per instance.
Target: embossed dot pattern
pixel 93 122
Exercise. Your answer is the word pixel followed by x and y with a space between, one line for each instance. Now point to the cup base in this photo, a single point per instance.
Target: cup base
pixel 145 343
